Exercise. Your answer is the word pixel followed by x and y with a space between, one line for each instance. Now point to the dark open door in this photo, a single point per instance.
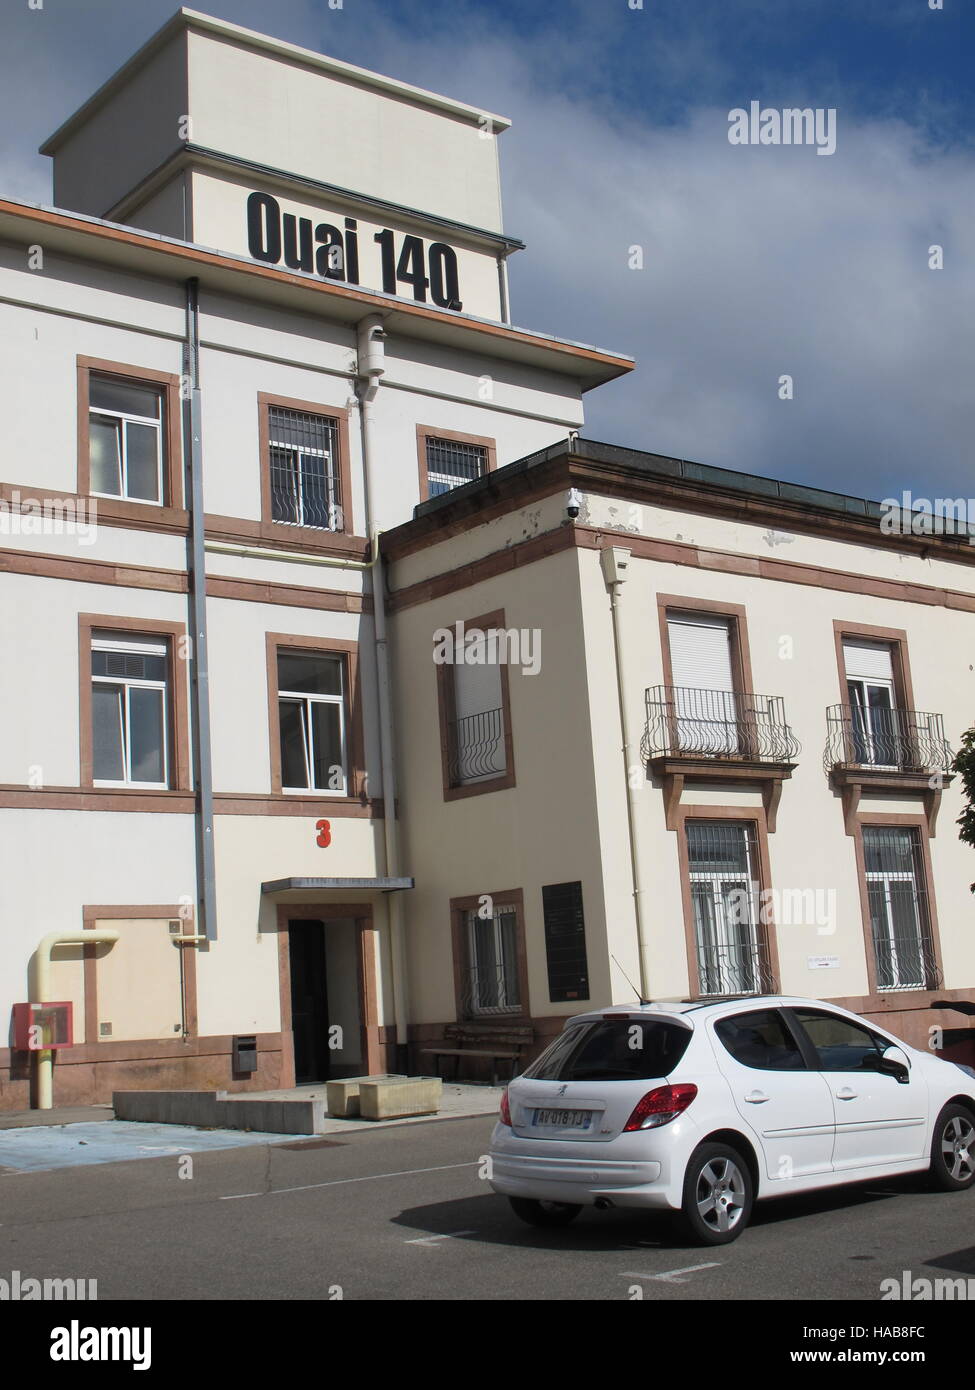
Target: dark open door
pixel 309 1000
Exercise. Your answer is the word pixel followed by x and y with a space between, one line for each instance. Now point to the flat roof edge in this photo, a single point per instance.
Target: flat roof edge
pixel 371 299
pixel 187 19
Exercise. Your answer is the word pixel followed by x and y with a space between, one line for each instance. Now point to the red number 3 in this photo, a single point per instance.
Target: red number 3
pixel 324 833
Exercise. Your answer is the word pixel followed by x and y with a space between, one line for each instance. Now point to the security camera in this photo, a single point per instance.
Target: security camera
pixel 573 503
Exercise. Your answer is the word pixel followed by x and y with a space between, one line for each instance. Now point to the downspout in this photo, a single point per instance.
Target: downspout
pixel 370 368
pixel 40 993
pixel 615 561
pixel 199 661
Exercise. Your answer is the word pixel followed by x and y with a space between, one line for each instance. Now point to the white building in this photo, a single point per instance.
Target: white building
pixel 265 322
pixel 332 241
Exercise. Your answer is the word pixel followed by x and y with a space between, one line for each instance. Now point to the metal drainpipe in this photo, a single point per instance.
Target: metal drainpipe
pixel 199 660
pixel 44 1090
pixel 370 368
pixel 615 561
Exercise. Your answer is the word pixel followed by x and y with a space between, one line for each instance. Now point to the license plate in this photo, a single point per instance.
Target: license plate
pixel 564 1119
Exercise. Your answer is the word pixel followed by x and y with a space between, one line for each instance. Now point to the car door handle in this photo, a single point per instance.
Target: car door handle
pixel 756 1097
pixel 847 1093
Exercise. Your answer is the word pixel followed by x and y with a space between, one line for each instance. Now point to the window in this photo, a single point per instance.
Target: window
pixel 125 439
pixel 450 464
pixel 722 860
pixel 897 896
pixel 492 954
pixel 474 710
pixel 448 460
pixel 312 722
pixel 305 480
pixel 619 1049
pixel 840 1044
pixel 870 690
pixel 705 704
pixel 129 710
pixel 760 1040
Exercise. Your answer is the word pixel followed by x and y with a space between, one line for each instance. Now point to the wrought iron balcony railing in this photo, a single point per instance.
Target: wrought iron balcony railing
pixel 905 740
pixel 476 747
pixel 734 969
pixel 684 721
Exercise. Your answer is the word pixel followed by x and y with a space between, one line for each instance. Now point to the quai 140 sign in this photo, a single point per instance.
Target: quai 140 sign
pixel 428 269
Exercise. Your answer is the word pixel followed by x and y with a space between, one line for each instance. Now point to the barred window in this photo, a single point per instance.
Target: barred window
pixel 722 859
pixel 450 464
pixel 492 985
pixel 898 897
pixel 305 483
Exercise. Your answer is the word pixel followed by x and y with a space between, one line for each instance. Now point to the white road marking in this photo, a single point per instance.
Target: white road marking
pixel 672 1276
pixel 434 1240
pixel 339 1182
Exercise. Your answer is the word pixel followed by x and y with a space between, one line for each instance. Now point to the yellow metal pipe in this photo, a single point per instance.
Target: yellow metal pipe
pixel 41 995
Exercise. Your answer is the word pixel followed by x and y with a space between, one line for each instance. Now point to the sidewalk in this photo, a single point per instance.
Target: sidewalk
pixel 458 1102
pixel 63 1115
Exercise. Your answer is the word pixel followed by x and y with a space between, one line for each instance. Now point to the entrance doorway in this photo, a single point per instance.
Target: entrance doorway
pixel 309 1000
pixel 328 995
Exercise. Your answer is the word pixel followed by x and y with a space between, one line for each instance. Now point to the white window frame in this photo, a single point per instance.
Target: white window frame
pixel 295 454
pixel 886 877
pixel 303 698
pixel 720 883
pixel 138 647
pixel 122 418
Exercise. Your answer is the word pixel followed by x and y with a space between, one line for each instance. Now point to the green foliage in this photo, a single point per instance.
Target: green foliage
pixel 964 765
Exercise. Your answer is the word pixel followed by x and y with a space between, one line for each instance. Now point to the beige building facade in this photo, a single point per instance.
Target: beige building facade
pixel 270 436
pixel 724 766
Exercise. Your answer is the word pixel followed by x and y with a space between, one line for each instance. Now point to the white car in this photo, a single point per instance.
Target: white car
pixel 703 1107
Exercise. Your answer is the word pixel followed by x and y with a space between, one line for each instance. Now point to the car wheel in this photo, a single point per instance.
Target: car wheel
pixel 953 1150
pixel 544 1213
pixel 718 1195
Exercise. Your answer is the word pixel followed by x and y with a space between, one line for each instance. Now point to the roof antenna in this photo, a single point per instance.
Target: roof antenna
pixel 629 981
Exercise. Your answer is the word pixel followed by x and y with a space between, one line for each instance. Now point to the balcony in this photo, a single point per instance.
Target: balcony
pixel 477 748
pixel 717 735
pixel 886 750
pixel 902 740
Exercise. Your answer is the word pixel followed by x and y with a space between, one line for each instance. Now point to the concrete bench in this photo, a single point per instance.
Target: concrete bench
pixel 394 1098
pixel 343 1096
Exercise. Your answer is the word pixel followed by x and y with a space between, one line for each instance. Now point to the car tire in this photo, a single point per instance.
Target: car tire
pixel 953 1150
pixel 550 1214
pixel 718 1195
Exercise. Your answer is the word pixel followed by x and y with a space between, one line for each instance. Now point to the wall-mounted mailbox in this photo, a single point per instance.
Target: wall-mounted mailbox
pixel 245 1055
pixel 40 1027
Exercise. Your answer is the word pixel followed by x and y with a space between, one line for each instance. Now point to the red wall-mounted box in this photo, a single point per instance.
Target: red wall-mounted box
pixel 41 1027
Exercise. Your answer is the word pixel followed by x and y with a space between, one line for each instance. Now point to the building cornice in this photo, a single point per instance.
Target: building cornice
pixel 148 253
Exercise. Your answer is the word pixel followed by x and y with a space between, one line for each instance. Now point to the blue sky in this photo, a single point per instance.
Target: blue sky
pixel 758 262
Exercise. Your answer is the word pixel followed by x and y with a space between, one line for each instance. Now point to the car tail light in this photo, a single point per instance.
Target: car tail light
pixel 505 1115
pixel 660 1106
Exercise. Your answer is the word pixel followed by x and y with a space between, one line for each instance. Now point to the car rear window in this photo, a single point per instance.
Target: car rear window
pixel 623 1049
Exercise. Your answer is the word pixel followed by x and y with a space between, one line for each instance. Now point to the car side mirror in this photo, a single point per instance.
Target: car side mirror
pixel 895 1062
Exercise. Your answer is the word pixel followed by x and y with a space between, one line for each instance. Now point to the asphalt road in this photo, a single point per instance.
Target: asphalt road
pixel 404 1214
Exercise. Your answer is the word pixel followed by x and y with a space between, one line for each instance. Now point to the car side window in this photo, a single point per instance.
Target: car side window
pixel 760 1039
pixel 841 1044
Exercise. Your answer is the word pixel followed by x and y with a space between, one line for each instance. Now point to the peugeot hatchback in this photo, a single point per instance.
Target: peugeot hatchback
pixel 702 1108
